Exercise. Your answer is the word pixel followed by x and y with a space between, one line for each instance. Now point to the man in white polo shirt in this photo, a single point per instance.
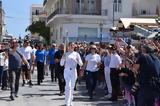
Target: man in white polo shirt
pixel 26 50
pixel 114 75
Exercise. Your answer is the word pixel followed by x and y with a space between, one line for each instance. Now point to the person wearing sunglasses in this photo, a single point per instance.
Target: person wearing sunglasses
pixel 92 63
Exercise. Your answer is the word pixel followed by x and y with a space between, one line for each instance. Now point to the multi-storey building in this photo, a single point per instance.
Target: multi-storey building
pixel 37 13
pixel 76 19
pixel 91 19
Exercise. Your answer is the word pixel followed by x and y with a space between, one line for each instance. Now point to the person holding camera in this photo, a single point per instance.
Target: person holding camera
pixel 145 66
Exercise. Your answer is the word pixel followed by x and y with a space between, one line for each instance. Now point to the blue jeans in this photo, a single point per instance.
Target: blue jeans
pixel 1 74
pixel 91 82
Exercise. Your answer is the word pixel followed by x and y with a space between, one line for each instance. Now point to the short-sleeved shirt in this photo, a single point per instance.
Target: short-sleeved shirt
pixel 34 51
pixel 15 61
pixel 51 55
pixel 26 51
pixel 145 69
pixel 115 61
pixel 40 56
pixel 92 61
pixel 2 62
pixel 58 54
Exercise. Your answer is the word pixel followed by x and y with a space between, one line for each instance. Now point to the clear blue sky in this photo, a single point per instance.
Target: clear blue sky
pixel 17 14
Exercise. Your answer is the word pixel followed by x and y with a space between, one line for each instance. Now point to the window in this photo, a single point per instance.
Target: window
pixel 80 6
pixel 117 5
pixel 91 6
pixel 84 32
pixel 37 12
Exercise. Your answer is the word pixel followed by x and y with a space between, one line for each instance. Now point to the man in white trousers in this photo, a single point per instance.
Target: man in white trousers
pixel 107 59
pixel 70 61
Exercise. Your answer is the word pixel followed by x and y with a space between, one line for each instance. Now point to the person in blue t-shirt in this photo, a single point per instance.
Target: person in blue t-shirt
pixel 40 59
pixel 52 62
pixel 46 63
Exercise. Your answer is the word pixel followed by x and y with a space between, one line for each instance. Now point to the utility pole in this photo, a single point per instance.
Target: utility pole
pixel 101 28
pixel 1 21
pixel 113 13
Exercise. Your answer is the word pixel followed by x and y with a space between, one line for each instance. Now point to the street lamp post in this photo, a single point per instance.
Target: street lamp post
pixel 101 27
pixel 113 13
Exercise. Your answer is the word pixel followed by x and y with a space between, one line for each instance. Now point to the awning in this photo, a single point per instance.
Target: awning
pixel 153 35
pixel 126 22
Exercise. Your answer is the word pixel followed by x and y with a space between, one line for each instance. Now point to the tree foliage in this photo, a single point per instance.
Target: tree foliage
pixel 40 28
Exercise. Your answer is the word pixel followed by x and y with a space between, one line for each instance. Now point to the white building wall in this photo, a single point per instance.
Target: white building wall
pixel 71 29
pixel 148 5
pixel 126 9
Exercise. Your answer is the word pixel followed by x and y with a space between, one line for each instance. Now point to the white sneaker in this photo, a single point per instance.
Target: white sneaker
pixel 108 96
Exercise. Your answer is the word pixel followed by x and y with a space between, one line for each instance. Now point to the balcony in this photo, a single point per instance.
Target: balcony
pixel 75 12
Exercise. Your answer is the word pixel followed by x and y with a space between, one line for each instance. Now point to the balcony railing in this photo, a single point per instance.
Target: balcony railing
pixel 76 12
pixel 45 1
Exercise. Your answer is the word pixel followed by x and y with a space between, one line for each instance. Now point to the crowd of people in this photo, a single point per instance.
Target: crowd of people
pixel 129 72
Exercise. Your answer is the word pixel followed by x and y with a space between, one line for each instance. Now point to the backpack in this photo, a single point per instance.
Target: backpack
pixel 155 79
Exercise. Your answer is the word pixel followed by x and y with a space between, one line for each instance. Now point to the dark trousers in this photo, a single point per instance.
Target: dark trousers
pixel 91 82
pixel 53 72
pixel 60 75
pixel 1 74
pixel 114 75
pixel 146 97
pixel 4 79
pixel 14 76
pixel 40 72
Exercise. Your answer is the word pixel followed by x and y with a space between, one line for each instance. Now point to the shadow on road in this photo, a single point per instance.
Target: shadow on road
pixel 48 90
pixel 5 99
pixel 37 95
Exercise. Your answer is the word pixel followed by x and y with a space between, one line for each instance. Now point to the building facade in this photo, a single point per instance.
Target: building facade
pixel 146 8
pixel 37 13
pixel 90 20
pixel 75 19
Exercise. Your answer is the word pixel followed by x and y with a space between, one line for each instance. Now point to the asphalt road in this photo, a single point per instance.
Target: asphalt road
pixel 47 94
